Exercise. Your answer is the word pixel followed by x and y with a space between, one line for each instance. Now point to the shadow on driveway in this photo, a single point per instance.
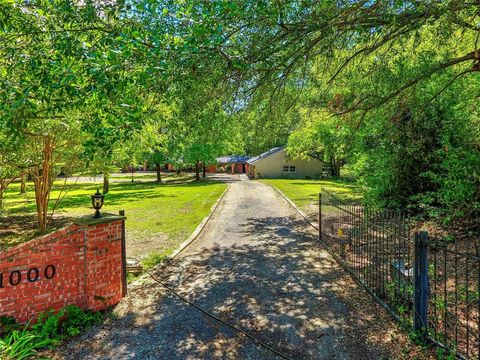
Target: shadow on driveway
pixel 282 288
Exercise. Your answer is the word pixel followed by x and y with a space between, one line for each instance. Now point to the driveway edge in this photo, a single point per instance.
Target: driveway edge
pixel 292 204
pixel 197 230
pixel 193 236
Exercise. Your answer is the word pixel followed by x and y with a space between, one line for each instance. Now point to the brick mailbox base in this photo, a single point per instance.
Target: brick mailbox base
pixel 82 264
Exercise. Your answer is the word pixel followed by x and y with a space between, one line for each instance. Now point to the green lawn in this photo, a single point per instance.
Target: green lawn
pixel 159 217
pixel 304 193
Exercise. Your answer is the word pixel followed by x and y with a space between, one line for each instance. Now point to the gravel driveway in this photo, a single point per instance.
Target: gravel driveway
pixel 257 265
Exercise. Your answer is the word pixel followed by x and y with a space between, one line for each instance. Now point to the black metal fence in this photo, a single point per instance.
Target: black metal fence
pixel 429 284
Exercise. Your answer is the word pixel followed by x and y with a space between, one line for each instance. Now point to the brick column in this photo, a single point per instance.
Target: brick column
pixel 103 260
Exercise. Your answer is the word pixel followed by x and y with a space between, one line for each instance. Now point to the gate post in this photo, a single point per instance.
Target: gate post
pixel 420 282
pixel 320 216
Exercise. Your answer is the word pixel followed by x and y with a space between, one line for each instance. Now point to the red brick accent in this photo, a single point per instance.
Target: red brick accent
pixel 212 168
pixel 88 267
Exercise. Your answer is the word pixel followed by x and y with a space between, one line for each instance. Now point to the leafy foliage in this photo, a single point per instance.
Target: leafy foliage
pixel 20 345
pixel 422 153
pixel 112 83
pixel 50 329
pixel 65 323
pixel 324 136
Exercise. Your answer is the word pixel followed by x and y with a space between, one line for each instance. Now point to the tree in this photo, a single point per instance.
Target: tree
pixel 324 136
pixel 263 45
pixel 152 141
pixel 69 68
pixel 421 153
pixel 203 125
pixel 54 150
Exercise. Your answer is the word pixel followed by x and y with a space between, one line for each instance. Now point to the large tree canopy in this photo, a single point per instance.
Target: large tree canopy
pixel 271 40
pixel 186 81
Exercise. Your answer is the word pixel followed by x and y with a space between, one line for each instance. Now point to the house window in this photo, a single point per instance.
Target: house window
pixel 287 169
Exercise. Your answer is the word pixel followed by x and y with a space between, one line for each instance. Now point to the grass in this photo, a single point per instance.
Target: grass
pixel 304 193
pixel 159 216
pixel 139 176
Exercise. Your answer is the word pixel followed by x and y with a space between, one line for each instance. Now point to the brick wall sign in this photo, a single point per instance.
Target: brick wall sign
pixel 82 264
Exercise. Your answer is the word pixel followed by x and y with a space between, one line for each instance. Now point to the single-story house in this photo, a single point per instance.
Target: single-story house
pixel 275 163
pixel 234 163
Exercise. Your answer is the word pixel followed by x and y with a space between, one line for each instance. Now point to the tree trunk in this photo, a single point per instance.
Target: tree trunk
pixel 106 183
pixel 159 174
pixel 204 170
pixel 197 170
pixel 338 167
pixel 335 166
pixel 42 180
pixel 23 185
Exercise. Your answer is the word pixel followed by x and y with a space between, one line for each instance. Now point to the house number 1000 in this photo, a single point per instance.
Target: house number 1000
pixel 33 274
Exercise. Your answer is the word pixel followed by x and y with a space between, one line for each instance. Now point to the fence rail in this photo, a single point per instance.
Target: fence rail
pixel 429 284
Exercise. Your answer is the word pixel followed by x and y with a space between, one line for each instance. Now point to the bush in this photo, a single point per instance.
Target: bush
pixel 65 323
pixel 50 329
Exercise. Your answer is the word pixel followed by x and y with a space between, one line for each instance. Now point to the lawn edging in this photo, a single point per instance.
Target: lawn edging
pixel 195 232
pixel 193 236
pixel 292 204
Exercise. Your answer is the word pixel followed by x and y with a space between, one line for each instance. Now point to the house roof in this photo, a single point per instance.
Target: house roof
pixel 232 159
pixel 262 156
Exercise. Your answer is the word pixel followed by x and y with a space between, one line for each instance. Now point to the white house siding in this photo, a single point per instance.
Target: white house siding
pixel 272 165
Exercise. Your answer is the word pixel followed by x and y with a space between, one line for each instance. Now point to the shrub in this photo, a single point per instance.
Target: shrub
pixel 65 323
pixel 424 156
pixel 49 330
pixel 77 320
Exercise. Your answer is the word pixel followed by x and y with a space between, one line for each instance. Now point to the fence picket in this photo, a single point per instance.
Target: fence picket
pixel 378 250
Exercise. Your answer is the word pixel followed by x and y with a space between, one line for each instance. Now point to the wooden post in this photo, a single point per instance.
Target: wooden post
pixel 420 281
pixel 320 216
pixel 124 255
